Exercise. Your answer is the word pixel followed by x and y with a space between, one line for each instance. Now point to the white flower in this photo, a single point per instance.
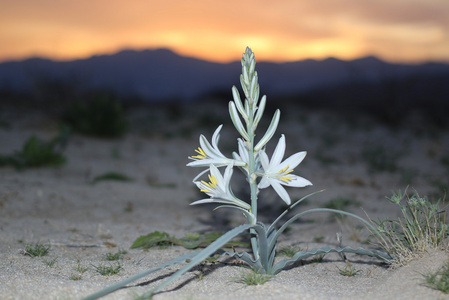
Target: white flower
pixel 277 173
pixel 208 154
pixel 219 189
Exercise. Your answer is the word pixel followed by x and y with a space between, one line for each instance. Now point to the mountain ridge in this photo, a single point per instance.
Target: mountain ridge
pixel 160 74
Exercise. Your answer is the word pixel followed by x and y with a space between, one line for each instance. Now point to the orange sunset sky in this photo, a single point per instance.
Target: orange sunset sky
pixel 281 30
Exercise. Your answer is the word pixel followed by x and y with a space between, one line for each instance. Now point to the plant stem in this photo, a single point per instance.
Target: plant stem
pixel 253 184
pixel 251 90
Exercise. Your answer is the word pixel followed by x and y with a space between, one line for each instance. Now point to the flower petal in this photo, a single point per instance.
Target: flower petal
pixel 264 160
pixel 237 202
pixel 293 160
pixel 280 191
pixel 211 200
pixel 228 173
pixel 208 161
pixel 220 181
pixel 298 181
pixel 278 153
pixel 207 147
pixel 264 183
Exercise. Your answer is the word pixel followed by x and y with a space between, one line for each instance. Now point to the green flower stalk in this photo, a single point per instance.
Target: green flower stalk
pixel 252 159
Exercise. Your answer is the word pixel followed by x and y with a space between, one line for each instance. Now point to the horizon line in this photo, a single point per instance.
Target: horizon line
pixel 117 51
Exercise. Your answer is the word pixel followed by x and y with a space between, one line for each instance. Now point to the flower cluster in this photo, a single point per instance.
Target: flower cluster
pixel 251 158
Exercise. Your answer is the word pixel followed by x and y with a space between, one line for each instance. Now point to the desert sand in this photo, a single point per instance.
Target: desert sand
pixel 81 221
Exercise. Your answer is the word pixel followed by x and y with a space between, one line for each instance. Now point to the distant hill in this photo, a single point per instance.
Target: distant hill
pixel 387 91
pixel 158 75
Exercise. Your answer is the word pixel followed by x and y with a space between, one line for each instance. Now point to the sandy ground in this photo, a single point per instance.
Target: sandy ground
pixel 82 221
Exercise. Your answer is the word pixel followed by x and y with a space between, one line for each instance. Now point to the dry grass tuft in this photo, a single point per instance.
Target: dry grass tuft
pixel 421 228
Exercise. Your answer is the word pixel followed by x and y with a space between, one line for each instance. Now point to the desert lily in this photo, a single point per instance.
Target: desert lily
pixel 277 173
pixel 208 154
pixel 261 173
pixel 219 190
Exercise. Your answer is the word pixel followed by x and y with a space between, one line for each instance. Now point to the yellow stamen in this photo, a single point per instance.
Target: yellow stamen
pixel 283 170
pixel 201 153
pixel 286 179
pixel 212 184
pixel 282 174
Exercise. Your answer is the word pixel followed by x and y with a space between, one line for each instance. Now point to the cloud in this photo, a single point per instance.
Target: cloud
pixel 283 29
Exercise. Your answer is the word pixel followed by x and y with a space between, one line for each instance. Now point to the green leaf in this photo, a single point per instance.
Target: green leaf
pixel 305 254
pixel 190 241
pixel 315 210
pixel 246 257
pixel 112 288
pixel 153 239
pixel 202 255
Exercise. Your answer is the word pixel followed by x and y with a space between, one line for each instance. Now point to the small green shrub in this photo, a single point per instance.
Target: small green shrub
pixel 253 277
pixel 319 258
pixel 103 116
pixel 154 183
pixel 108 270
pixel 80 268
pixel 438 280
pixel 318 239
pixel 76 277
pixel 111 176
pixel 38 153
pixel 50 262
pixel 36 250
pixel 115 256
pixel 348 271
pixel 289 251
